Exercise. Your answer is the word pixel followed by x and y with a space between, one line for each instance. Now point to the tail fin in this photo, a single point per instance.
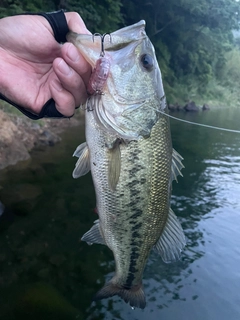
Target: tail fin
pixel 134 296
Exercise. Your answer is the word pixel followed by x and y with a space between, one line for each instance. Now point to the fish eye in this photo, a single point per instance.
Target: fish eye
pixel 147 62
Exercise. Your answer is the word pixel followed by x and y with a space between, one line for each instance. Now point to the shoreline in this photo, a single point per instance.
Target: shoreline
pixel 19 135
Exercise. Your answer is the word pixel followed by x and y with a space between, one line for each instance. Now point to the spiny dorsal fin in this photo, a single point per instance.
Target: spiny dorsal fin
pixel 82 166
pixel 172 240
pixel 176 165
pixel 94 235
pixel 114 165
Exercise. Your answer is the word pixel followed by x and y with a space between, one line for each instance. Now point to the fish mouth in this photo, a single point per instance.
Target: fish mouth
pixel 90 45
pixel 123 37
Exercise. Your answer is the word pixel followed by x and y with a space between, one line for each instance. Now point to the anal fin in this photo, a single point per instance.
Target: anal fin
pixel 94 235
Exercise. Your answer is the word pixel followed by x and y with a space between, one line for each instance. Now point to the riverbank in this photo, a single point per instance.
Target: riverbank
pixel 19 135
pixel 215 93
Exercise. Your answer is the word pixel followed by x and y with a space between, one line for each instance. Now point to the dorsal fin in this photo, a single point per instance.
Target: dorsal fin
pixel 82 166
pixel 176 165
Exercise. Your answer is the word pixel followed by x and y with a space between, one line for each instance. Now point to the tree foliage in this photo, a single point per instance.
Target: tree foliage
pixel 194 34
pixel 191 37
pixel 100 16
pixel 12 7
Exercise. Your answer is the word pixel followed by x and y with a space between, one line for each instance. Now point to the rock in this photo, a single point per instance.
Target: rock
pixel 171 107
pixel 191 106
pixel 179 108
pixel 205 107
pixel 12 148
pixel 175 107
pixel 19 135
pixel 48 138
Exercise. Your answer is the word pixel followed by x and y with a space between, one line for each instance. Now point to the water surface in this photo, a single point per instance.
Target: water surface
pixel 47 273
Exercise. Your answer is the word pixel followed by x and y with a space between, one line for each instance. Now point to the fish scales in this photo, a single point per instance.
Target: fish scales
pixel 135 202
pixel 132 162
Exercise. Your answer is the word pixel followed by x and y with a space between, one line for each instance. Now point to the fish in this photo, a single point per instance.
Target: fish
pixel 129 152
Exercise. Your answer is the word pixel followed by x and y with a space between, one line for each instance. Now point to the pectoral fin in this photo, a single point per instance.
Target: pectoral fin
pixel 172 240
pixel 82 166
pixel 176 165
pixel 114 166
pixel 94 235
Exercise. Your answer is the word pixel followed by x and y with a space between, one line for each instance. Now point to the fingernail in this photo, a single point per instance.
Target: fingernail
pixel 64 68
pixel 72 53
pixel 57 85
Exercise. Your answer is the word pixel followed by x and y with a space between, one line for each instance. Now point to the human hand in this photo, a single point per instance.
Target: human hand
pixel 34 67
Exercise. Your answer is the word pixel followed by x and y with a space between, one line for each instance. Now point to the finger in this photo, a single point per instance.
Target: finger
pixel 70 81
pixel 75 23
pixel 64 100
pixel 75 60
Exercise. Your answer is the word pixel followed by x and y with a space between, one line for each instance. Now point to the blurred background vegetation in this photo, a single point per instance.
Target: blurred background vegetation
pixel 196 41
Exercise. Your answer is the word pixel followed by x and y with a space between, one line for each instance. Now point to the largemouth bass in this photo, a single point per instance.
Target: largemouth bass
pixel 129 152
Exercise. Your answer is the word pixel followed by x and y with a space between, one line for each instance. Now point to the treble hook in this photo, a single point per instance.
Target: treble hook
pixel 103 37
pixel 102 53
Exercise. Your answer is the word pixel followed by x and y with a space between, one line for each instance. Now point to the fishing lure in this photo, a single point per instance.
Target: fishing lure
pixel 101 71
pixel 99 76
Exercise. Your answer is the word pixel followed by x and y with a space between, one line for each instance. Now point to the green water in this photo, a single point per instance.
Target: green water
pixel 47 273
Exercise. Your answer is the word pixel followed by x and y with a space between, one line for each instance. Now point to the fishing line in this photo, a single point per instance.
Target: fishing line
pixel 200 124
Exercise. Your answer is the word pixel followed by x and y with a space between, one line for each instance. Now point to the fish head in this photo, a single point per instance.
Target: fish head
pixel 133 93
